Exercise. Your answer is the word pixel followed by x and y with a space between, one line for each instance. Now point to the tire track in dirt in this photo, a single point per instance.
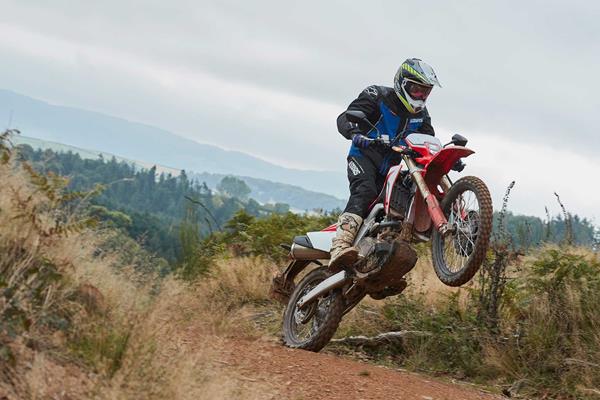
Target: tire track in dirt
pixel 300 374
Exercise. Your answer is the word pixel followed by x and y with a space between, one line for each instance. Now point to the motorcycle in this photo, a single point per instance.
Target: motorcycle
pixel 418 203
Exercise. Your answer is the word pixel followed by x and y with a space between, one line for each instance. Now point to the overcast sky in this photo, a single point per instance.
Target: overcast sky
pixel 520 79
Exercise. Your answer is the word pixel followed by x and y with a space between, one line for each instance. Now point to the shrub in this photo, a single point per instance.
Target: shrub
pixel 552 339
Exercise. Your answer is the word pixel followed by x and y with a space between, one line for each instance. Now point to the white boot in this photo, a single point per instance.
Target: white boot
pixel 343 254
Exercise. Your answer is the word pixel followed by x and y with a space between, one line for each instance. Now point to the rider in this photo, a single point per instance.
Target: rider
pixel 397 111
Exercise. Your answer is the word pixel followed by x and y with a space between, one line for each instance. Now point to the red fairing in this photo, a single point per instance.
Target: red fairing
pixel 441 163
pixel 443 158
pixel 448 156
pixel 330 228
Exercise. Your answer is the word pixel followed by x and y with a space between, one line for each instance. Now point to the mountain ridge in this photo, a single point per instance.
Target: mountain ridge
pixel 138 141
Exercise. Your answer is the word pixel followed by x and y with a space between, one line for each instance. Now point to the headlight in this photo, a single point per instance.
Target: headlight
pixel 433 147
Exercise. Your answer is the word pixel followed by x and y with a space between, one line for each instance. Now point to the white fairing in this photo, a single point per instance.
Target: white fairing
pixel 321 240
pixel 389 185
pixel 420 139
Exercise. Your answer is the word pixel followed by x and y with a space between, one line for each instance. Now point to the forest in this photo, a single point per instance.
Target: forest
pixel 149 206
pixel 165 212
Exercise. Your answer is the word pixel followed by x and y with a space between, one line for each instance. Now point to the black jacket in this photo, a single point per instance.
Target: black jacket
pixel 383 109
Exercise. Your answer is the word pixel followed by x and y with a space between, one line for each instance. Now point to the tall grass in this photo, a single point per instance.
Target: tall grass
pixel 553 337
pixel 546 338
pixel 81 315
pixel 176 349
pixel 80 305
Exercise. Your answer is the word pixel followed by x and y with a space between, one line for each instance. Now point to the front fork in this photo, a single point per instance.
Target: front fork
pixel 433 206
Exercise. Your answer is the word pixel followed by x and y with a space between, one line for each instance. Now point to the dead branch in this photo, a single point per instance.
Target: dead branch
pixel 568 222
pixel 548 221
pixel 575 361
pixel 194 201
pixel 503 235
pixel 382 338
pixel 590 391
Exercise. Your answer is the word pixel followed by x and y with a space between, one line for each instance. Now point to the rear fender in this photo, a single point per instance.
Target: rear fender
pixel 283 284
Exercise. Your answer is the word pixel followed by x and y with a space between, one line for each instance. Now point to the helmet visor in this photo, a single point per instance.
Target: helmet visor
pixel 417 90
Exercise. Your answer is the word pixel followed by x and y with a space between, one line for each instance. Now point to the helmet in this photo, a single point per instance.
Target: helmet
pixel 413 83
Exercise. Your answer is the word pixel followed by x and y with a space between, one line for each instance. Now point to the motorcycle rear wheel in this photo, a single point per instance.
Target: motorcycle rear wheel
pixel 468 208
pixel 313 327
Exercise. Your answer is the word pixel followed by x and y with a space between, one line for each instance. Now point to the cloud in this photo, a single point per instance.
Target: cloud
pixel 270 77
pixel 539 170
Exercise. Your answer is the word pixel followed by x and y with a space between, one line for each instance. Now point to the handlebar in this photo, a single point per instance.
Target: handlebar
pixel 385 142
pixel 382 142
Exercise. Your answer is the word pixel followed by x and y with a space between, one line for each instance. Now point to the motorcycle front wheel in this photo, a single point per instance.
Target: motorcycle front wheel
pixel 311 328
pixel 458 255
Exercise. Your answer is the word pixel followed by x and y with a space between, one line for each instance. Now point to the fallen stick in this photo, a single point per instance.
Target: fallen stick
pixel 387 337
pixel 575 361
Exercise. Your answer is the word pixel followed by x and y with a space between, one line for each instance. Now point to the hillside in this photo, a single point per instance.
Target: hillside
pixel 262 190
pixel 136 141
pixel 266 191
pixel 83 317
pixel 86 312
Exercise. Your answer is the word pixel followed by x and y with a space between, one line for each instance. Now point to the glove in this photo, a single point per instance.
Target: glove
pixel 361 141
pixel 458 166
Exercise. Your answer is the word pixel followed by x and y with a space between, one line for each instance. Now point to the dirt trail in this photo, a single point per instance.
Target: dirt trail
pixel 298 374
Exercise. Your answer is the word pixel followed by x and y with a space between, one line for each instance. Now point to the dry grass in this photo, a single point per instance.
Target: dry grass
pixel 110 334
pixel 554 324
pixel 423 280
pixel 174 352
pixel 77 323
pixel 368 317
pixel 37 260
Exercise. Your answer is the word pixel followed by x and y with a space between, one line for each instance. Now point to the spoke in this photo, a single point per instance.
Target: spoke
pixel 463 216
pixel 304 331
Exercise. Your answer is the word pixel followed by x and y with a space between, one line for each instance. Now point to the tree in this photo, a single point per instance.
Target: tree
pixel 234 187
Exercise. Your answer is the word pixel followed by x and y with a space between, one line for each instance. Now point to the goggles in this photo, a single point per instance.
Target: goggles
pixel 417 90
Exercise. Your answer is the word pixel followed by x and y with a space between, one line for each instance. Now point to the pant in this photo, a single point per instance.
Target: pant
pixel 366 183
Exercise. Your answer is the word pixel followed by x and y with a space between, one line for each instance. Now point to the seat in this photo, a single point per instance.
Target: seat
pixel 303 240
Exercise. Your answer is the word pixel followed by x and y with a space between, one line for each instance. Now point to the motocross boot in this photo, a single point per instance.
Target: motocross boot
pixel 342 252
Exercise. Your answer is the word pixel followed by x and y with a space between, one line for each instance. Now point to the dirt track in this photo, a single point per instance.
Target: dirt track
pixel 297 374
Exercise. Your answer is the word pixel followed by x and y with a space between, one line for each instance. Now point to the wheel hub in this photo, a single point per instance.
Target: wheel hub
pixel 303 315
pixel 465 233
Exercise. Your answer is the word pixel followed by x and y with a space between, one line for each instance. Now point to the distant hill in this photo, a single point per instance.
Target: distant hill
pixel 88 153
pixel 148 144
pixel 263 191
pixel 266 191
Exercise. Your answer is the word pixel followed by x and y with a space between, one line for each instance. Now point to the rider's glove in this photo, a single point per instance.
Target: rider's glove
pixel 458 166
pixel 361 141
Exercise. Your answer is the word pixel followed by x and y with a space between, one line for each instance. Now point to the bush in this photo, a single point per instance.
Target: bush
pixel 455 343
pixel 546 338
pixel 61 297
pixel 244 236
pixel 552 337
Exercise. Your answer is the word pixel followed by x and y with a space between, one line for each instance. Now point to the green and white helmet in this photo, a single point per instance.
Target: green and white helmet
pixel 413 83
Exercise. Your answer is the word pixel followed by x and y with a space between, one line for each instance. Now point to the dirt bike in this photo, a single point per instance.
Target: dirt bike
pixel 418 203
